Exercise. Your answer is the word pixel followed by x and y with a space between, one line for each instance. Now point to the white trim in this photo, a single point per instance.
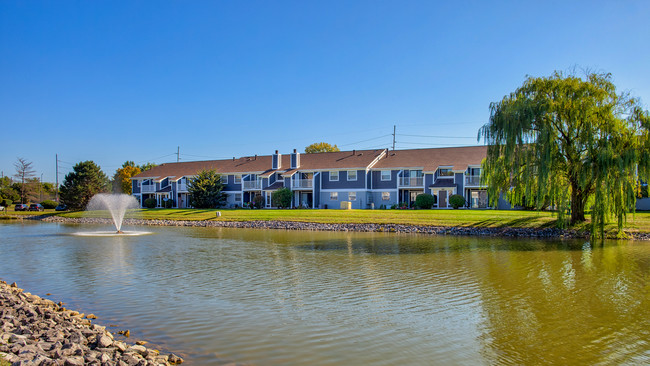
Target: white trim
pixel 390 175
pixel 337 175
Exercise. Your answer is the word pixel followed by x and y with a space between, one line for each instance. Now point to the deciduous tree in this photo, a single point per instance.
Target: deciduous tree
pixel 24 172
pixel 318 147
pixel 122 177
pixel 571 141
pixel 206 190
pixel 80 185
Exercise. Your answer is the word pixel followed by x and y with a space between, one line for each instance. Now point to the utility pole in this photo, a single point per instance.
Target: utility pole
pixel 56 189
pixel 40 188
pixel 394 128
pixel 178 154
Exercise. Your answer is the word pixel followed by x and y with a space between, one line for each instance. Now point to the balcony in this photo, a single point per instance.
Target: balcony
pixel 303 183
pixel 472 180
pixel 252 185
pixel 411 182
pixel 182 187
pixel 149 188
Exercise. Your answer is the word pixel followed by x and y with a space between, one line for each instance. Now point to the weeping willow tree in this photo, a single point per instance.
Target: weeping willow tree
pixel 569 142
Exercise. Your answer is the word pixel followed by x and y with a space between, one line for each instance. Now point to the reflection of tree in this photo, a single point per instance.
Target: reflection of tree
pixel 563 307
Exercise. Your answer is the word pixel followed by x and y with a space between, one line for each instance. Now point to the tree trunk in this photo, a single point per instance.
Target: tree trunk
pixel 578 198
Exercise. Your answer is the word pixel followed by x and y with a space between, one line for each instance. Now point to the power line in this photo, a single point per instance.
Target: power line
pixel 439 137
pixel 371 139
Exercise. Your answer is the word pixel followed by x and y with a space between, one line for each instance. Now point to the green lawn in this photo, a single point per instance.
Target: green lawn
pixel 639 222
pixel 462 218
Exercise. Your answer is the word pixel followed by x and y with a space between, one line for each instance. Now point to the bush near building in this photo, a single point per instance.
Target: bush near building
pixel 424 200
pixel 456 201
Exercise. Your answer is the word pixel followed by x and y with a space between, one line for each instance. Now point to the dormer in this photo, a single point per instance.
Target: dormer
pixel 277 161
pixel 295 159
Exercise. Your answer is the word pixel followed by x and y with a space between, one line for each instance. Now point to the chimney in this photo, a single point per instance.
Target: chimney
pixel 233 158
pixel 277 161
pixel 255 157
pixel 295 159
pixel 354 152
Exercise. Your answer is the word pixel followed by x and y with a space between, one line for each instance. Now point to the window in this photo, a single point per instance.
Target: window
pixel 224 179
pixel 237 197
pixel 385 175
pixel 352 175
pixel 445 172
pixel 237 179
pixel 352 196
pixel 334 196
pixel 385 196
pixel 334 176
pixel 137 183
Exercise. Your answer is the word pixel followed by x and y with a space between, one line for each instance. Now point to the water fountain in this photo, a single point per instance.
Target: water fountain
pixel 117 205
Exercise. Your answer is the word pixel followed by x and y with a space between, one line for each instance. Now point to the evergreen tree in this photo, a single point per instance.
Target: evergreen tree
pixel 80 185
pixel 206 190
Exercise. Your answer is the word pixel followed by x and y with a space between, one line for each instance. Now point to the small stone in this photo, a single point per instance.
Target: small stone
pixel 136 349
pixel 104 341
pixel 141 343
pixel 74 361
pixel 14 285
pixel 175 359
pixel 91 316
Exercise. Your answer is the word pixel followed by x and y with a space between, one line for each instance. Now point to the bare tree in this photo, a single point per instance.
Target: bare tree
pixel 24 172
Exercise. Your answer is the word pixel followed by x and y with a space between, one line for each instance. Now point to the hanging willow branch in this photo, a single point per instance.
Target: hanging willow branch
pixel 571 144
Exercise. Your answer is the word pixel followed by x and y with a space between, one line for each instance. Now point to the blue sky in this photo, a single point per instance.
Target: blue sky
pixel 111 81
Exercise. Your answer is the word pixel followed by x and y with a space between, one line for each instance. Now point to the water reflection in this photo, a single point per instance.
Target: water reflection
pixel 295 298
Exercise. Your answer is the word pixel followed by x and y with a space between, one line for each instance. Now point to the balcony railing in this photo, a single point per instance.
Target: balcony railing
pixel 303 183
pixel 249 185
pixel 149 188
pixel 473 180
pixel 411 182
pixel 182 187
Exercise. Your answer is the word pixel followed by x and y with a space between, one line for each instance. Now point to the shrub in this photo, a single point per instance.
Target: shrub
pixel 456 201
pixel 258 201
pixel 49 204
pixel 424 200
pixel 150 203
pixel 392 207
pixel 282 198
pixel 169 203
pixel 6 202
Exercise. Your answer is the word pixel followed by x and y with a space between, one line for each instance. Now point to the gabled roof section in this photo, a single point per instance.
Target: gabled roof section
pixel 249 164
pixel 340 160
pixel 430 159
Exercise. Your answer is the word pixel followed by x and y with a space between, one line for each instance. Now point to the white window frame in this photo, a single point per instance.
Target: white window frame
pixel 352 196
pixel 222 178
pixel 334 196
pixel 385 196
pixel 332 174
pixel 390 176
pixel 355 175
pixel 238 199
pixel 238 179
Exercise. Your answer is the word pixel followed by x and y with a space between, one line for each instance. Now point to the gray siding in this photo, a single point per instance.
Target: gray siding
pixel 428 180
pixel 343 182
pixel 377 183
pixel 459 179
pixel 643 204
pixel 134 186
pixel 317 180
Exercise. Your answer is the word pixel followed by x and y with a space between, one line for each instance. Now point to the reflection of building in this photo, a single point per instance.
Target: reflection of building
pixel 365 178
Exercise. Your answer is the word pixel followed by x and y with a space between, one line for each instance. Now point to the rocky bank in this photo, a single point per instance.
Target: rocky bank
pixel 36 331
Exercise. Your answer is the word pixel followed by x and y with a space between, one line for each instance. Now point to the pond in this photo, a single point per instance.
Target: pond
pixel 265 297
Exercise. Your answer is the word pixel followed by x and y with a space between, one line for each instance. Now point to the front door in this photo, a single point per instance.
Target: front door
pixel 268 199
pixel 442 199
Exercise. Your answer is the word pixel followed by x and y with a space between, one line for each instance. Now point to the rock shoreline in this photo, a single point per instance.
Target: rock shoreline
pixel 311 226
pixel 37 331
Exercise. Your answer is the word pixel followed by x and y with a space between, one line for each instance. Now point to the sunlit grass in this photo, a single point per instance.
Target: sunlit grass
pixel 638 222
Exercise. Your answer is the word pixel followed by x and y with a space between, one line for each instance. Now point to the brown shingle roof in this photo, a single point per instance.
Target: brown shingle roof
pixel 430 159
pixel 250 164
pixel 338 160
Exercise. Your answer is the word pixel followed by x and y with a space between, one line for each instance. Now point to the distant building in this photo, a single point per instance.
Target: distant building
pixel 365 178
